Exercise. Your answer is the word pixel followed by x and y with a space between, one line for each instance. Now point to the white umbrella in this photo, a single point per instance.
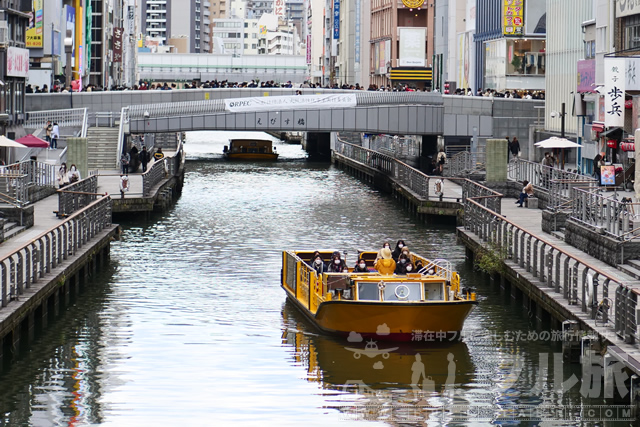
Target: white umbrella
pixel 555 142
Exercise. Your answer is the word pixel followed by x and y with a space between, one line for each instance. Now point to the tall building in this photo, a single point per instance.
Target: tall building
pixel 15 56
pixel 191 19
pixel 401 44
pixel 257 8
pixel 156 19
pixel 107 43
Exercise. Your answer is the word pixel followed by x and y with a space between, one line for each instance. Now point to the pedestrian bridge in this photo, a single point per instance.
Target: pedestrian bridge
pixel 372 112
pixel 417 113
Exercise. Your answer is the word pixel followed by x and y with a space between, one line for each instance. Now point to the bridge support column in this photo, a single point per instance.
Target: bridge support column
pixel 497 160
pixel 318 144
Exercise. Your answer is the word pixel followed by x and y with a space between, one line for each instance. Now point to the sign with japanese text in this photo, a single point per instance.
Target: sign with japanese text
pixel 279 8
pixel 308 48
pixel 513 17
pixel 117 44
pixel 615 81
pixel 336 19
pixel 270 103
pixel 34 35
pixel 17 62
pixel 132 20
pixel 627 7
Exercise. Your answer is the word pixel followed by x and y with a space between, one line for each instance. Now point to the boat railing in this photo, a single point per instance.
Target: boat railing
pixel 440 267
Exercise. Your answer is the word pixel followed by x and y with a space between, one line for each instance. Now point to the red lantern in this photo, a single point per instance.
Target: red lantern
pixel 628 104
pixel 612 143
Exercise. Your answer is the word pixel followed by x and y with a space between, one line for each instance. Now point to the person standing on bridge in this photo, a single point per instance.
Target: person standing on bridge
pixel 48 129
pixel 55 134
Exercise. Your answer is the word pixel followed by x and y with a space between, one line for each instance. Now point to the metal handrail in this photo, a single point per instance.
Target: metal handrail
pixel 124 118
pixel 70 117
pixel 42 254
pixel 85 124
pixel 604 213
pixel 567 274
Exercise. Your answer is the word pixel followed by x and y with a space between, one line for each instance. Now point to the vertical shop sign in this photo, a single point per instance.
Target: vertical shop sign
pixel 614 76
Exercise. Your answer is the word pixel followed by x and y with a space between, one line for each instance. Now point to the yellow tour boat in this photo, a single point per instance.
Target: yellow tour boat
pixel 426 306
pixel 250 149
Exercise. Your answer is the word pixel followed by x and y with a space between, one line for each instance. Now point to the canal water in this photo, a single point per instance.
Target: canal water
pixel 189 325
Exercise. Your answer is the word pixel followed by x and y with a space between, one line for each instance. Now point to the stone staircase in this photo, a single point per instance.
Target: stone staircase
pixel 11 229
pixel 631 267
pixel 102 147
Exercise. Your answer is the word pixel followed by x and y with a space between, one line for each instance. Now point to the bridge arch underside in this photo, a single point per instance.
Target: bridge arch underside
pixel 397 120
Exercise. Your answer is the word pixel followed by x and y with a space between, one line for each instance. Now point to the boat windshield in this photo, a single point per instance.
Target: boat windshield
pixel 392 291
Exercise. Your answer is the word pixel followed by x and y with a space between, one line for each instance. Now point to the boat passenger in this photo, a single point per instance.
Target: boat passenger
pixel 361 266
pixel 337 264
pixel 401 265
pixel 398 250
pixel 318 265
pixel 384 245
pixel 419 266
pixel 386 265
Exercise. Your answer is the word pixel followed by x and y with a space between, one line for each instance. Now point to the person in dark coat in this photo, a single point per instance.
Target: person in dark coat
pixel 402 264
pixel 318 265
pixel 337 264
pixel 361 266
pixel 144 158
pixel 398 250
pixel 514 147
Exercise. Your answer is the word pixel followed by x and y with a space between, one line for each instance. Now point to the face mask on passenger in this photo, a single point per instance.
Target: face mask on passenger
pixel 363 265
pixel 386 246
pixel 400 245
pixel 336 261
pixel 318 261
pixel 409 268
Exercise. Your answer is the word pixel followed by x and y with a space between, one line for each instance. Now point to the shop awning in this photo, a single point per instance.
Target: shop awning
pixel 415 74
pixel 597 126
pixel 33 141
pixel 611 132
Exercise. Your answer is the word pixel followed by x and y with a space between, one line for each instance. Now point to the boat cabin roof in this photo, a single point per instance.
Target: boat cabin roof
pixel 251 142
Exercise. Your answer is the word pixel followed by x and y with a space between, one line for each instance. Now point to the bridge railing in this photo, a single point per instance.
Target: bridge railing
pixel 541 176
pixel 161 169
pixel 363 98
pixel 76 196
pixel 604 214
pixel 574 280
pixel 124 119
pixel 560 197
pixel 415 180
pixel 28 264
pixel 465 162
pixel 73 117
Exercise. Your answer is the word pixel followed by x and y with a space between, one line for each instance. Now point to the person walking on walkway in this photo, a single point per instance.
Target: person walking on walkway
pixel 124 162
pixel 55 134
pixel 144 158
pixel 62 176
pixel 124 185
pixel 514 147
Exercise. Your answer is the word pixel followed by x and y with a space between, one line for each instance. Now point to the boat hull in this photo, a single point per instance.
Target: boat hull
pixel 404 321
pixel 251 156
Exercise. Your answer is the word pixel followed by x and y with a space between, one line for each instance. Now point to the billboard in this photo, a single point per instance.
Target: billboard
pixel 535 18
pixel 279 8
pixel 17 62
pixel 34 31
pixel 412 47
pixel 336 19
pixel 513 17
pixel 626 8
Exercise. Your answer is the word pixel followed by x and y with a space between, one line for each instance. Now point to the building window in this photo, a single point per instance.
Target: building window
pixel 632 32
pixel 590 49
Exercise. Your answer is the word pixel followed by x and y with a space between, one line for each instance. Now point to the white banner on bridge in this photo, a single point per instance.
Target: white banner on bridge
pixel 299 102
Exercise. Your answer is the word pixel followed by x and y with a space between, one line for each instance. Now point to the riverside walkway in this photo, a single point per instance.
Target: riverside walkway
pixel 587 295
